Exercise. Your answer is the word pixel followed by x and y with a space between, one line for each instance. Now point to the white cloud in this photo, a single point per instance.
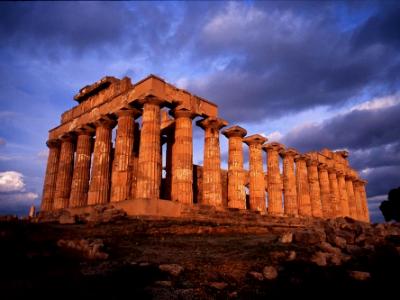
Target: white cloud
pixel 42 155
pixel 11 181
pixel 378 103
pixel 274 136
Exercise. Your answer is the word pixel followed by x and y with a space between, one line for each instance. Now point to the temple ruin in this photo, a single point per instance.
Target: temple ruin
pixel 86 166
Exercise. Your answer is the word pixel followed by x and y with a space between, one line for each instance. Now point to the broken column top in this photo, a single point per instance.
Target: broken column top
pixel 94 88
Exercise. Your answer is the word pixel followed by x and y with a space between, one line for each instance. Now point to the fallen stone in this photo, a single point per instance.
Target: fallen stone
pixel 309 237
pixel 164 283
pixel 358 275
pixel 286 238
pixel 172 269
pixel 340 242
pixel 319 258
pixel 292 255
pixel 326 247
pixel 270 272
pixel 218 285
pixel 67 219
pixel 256 275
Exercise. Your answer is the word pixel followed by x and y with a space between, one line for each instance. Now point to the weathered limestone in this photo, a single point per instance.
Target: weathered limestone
pixel 256 172
pixel 149 163
pixel 99 188
pixel 364 202
pixel 351 196
pixel 81 175
pixel 50 179
pixel 236 187
pixel 274 180
pixel 182 157
pixel 289 182
pixel 326 205
pixel 121 177
pixel 333 185
pixel 315 191
pixel 65 169
pixel 343 202
pixel 303 190
pixel 212 185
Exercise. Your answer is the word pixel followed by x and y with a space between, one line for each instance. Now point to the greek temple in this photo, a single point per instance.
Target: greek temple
pixel 146 167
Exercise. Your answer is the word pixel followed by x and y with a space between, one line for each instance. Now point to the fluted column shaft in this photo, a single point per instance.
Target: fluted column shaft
pixel 168 164
pixel 65 170
pixel 364 203
pixel 326 204
pixel 333 185
pixel 121 178
pixel 149 163
pixel 274 188
pixel 50 179
pixel 100 182
pixel 289 183
pixel 358 199
pixel 236 188
pixel 182 158
pixel 81 175
pixel 315 192
pixel 344 202
pixel 212 182
pixel 351 197
pixel 303 190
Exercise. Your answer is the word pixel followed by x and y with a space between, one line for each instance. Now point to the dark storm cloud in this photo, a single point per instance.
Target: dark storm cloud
pixel 381 156
pixel 382 179
pixel 358 129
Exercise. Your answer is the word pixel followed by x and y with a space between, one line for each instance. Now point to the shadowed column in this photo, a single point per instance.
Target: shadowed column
pixel 289 182
pixel 333 186
pixel 303 191
pixel 149 163
pixel 50 179
pixel 350 195
pixel 236 188
pixel 182 157
pixel 274 188
pixel 81 176
pixel 121 178
pixel 364 203
pixel 256 172
pixel 65 169
pixel 100 182
pixel 315 192
pixel 327 209
pixel 343 202
pixel 212 184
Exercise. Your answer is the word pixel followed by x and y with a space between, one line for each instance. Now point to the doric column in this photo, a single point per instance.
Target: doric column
pixel 315 192
pixel 256 172
pixel 81 176
pixel 50 179
pixel 168 164
pixel 149 163
pixel 358 201
pixel 212 184
pixel 289 182
pixel 333 186
pixel 326 204
pixel 343 202
pixel 182 157
pixel 364 203
pixel 236 188
pixel 65 170
pixel 303 190
pixel 100 182
pixel 274 179
pixel 121 177
pixel 351 196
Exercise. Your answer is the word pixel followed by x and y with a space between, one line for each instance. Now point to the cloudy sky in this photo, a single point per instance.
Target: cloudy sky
pixel 308 74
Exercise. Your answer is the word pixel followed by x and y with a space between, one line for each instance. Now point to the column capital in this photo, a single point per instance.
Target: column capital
pixel 274 146
pixel 339 173
pixel 182 113
pixel 53 143
pixel 312 162
pixel 343 153
pixel 322 166
pixel 105 121
pixel 255 139
pixel 68 137
pixel 300 157
pixel 288 152
pixel 363 181
pixel 212 122
pixel 85 130
pixel 150 99
pixel 234 131
pixel 332 170
pixel 128 111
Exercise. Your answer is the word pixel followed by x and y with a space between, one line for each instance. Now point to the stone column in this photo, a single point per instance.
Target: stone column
pixel 65 169
pixel 289 182
pixel 256 172
pixel 364 203
pixel 333 186
pixel 274 179
pixel 358 196
pixel 212 182
pixel 149 163
pixel 100 182
pixel 351 196
pixel 344 202
pixel 81 176
pixel 168 163
pixel 121 177
pixel 303 190
pixel 50 178
pixel 182 157
pixel 315 192
pixel 236 188
pixel 326 204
